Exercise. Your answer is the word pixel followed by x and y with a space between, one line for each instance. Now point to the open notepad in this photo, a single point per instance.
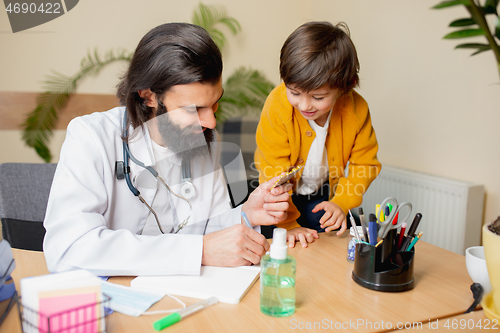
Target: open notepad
pixel 228 284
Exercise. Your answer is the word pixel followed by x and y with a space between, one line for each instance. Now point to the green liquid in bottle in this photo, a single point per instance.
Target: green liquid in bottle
pixel 277 287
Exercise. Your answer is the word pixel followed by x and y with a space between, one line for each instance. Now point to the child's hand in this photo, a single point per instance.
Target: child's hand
pixel 302 235
pixel 333 218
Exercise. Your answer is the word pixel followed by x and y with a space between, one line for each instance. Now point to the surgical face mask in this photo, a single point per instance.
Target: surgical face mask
pixel 129 301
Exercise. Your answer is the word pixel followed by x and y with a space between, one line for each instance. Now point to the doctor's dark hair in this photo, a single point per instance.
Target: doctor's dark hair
pixel 318 54
pixel 168 55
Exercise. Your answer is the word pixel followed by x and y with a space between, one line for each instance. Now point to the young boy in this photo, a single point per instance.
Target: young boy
pixel 316 120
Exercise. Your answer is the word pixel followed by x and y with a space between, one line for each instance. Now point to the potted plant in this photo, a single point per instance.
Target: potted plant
pixel 491 243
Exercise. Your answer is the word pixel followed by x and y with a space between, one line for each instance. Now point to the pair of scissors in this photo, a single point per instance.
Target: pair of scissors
pixel 387 225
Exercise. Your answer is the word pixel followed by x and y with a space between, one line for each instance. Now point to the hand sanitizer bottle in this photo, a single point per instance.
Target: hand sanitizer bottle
pixel 277 278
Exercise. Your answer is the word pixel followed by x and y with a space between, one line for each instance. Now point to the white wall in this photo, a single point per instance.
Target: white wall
pixel 435 109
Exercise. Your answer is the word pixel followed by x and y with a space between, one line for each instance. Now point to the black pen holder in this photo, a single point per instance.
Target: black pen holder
pixel 381 268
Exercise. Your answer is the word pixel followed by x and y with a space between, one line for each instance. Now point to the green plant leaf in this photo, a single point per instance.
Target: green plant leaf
pixel 451 3
pixel 478 46
pixel 60 83
pixel 37 129
pixel 464 33
pixel 493 3
pixel 210 17
pixel 490 6
pixel 245 92
pixel 41 121
pixel 474 46
pixel 462 22
pixel 218 37
pixel 232 24
pixel 477 52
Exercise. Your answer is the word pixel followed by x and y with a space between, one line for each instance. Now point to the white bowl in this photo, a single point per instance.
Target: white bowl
pixel 476 266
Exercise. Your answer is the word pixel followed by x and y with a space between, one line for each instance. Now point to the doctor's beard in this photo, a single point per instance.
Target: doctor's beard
pixel 184 142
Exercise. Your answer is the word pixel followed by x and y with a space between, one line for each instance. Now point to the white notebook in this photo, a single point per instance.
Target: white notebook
pixel 228 284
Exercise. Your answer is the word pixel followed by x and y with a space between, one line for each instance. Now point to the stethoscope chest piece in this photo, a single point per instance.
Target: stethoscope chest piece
pixel 122 170
pixel 188 190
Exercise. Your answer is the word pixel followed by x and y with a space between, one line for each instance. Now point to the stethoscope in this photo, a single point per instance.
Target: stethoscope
pixel 122 171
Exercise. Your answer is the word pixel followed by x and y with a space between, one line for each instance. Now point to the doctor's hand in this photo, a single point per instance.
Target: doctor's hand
pixel 333 218
pixel 266 207
pixel 238 245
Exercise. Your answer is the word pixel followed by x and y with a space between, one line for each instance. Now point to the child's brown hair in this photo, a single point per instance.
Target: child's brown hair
pixel 318 54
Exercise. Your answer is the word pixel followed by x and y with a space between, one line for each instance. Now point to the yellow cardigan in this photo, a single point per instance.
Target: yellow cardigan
pixel 284 138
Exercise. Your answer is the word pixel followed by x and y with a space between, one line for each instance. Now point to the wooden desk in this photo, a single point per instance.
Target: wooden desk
pixel 326 296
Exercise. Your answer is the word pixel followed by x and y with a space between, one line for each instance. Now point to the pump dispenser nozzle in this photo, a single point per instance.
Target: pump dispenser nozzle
pixel 279 247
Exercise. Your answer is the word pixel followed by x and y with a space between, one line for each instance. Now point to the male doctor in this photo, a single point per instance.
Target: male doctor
pixel 138 190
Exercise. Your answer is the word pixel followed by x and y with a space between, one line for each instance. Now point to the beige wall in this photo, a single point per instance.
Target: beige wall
pixel 435 109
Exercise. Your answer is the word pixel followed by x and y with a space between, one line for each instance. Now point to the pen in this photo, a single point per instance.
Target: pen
pixel 401 235
pixel 353 225
pixel 414 241
pixel 411 231
pixel 372 228
pixel 245 219
pixel 181 314
pixel 363 223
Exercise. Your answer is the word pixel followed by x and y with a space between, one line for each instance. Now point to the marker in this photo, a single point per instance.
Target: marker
pixel 377 208
pixel 245 219
pixel 414 241
pixel 363 223
pixel 181 314
pixel 353 225
pixel 387 210
pixel 411 231
pixel 414 224
pixel 401 235
pixel 395 221
pixel 372 228
pixel 390 208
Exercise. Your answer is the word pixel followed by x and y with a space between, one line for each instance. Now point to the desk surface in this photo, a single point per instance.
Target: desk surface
pixel 326 296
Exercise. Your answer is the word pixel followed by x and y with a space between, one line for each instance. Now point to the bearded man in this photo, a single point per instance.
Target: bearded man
pixel 138 189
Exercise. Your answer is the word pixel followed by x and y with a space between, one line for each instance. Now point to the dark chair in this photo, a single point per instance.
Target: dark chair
pixel 24 192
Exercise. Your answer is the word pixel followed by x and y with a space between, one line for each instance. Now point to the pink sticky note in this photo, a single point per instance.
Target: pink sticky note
pixel 82 318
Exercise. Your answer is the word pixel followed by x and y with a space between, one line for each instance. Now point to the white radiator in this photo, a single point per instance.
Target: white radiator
pixel 452 211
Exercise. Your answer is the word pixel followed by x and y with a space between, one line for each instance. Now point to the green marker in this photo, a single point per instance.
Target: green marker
pixel 390 207
pixel 181 314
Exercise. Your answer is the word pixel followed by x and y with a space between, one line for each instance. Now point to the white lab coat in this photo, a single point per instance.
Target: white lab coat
pixel 94 222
